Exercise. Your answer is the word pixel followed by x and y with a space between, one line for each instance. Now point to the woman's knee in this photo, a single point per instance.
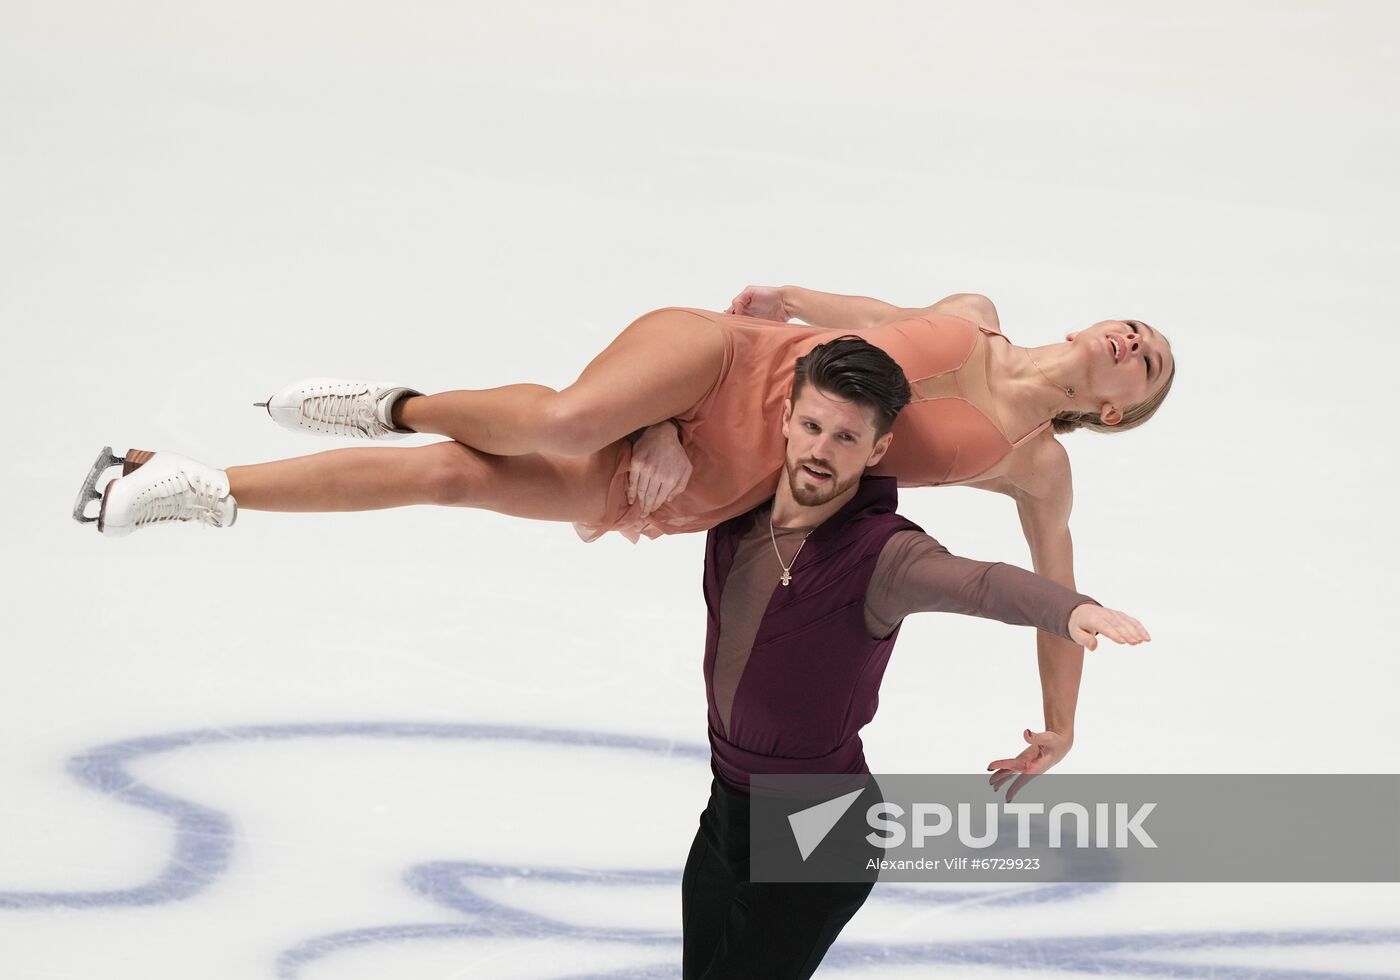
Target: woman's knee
pixel 570 426
pixel 450 474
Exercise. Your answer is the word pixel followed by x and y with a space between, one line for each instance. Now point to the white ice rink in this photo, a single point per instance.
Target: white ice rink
pixel 434 743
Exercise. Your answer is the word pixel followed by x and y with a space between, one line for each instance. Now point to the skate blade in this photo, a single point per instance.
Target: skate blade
pixel 133 460
pixel 105 461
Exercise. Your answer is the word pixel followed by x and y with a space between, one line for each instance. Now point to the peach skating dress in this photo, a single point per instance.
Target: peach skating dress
pixel 734 437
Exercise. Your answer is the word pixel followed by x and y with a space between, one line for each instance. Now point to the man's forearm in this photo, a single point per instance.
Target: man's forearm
pixel 836 311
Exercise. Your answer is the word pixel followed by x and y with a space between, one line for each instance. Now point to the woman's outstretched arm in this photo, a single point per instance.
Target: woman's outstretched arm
pixel 1043 492
pixel 831 310
pixel 1061 661
pixel 834 310
pixel 838 312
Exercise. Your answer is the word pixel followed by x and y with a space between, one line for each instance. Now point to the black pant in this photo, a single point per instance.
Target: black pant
pixel 736 929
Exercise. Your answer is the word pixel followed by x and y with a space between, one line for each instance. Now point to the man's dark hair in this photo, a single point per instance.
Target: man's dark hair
pixel 858 371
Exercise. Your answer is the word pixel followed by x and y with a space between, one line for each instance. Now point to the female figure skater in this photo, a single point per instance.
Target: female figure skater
pixel 982 415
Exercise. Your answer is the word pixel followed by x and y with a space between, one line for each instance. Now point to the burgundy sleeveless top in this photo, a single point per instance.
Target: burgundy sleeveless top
pixel 812 680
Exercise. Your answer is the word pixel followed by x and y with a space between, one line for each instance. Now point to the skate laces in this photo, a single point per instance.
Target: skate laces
pixel 350 411
pixel 180 497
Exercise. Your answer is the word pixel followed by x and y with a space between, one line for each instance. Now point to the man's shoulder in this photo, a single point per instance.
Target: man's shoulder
pixel 906 547
pixel 913 537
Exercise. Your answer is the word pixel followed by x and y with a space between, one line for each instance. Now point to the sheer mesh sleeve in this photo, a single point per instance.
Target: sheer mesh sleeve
pixel 917 574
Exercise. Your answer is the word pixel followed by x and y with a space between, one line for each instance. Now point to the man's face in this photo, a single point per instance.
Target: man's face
pixel 830 442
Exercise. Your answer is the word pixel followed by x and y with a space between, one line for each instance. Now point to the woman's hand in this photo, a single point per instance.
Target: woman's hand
pixel 1088 620
pixel 660 467
pixel 763 302
pixel 1046 749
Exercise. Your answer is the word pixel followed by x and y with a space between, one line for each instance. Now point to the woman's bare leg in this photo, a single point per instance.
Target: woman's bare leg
pixel 446 473
pixel 659 367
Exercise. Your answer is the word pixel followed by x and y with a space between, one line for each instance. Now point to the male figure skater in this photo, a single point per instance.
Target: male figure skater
pixel 805 597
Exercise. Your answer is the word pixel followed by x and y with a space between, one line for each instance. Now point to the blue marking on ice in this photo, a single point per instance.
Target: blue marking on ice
pixel 448 884
pixel 203 845
pixel 204 837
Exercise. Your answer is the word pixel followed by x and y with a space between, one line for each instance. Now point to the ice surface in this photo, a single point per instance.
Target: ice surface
pixel 440 743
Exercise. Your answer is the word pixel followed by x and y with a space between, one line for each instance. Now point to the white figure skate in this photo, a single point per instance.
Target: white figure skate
pixel 334 407
pixel 155 488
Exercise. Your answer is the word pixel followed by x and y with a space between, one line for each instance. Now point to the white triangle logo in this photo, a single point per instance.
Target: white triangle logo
pixel 810 826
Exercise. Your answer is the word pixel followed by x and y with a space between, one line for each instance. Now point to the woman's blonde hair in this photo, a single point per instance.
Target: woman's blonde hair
pixel 1133 416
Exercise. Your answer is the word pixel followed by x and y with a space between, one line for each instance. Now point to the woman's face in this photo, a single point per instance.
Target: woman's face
pixel 1126 362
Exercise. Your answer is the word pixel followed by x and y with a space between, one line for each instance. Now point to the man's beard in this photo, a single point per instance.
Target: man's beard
pixel 818 495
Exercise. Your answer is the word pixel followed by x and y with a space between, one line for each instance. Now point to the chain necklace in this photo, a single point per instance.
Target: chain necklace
pixel 1069 392
pixel 786 578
